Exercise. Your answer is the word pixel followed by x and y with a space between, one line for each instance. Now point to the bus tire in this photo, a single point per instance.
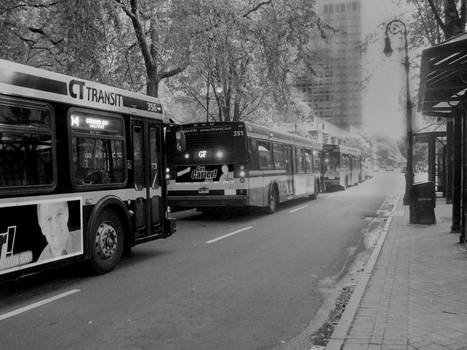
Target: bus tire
pixel 273 198
pixel 106 242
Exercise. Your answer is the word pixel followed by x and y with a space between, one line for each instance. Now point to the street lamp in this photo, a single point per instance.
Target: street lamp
pixel 398 27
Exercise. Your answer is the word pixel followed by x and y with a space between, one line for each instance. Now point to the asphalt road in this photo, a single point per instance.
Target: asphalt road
pixel 240 282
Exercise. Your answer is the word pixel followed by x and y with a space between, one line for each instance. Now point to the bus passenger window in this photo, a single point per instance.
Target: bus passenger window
pixel 97 149
pixel 265 155
pixel 26 152
pixel 279 161
pixel 97 161
pixel 253 154
pixel 299 160
pixel 308 161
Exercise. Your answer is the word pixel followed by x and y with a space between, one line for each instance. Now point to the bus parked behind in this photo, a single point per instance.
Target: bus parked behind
pixel 342 165
pixel 239 164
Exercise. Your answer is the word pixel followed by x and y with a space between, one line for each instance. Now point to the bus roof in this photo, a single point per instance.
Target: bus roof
pixel 278 135
pixel 344 149
pixel 262 132
pixel 21 80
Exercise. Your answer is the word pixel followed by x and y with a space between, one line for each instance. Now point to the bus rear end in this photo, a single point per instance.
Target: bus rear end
pixel 212 170
pixel 332 166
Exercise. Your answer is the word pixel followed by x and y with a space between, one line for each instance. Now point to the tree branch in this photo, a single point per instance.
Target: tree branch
pixel 134 17
pixel 463 12
pixel 171 72
pixel 421 16
pixel 257 7
pixel 29 5
pixel 437 16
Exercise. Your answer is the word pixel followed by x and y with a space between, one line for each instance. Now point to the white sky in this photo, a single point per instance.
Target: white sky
pixel 384 93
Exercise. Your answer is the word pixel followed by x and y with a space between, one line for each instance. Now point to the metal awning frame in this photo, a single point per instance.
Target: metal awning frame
pixel 443 77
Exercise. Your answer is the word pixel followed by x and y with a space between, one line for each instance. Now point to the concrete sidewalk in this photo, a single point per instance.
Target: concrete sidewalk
pixel 415 296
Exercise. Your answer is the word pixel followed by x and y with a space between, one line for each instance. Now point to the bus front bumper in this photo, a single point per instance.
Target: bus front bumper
pixel 207 201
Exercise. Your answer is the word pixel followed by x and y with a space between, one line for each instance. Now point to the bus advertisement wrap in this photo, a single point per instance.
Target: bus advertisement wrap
pixel 205 173
pixel 36 233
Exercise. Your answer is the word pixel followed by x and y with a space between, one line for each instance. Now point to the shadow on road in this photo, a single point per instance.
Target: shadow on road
pixel 234 214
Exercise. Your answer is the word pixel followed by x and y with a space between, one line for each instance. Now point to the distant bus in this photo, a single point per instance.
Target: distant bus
pixel 238 164
pixel 82 171
pixel 342 165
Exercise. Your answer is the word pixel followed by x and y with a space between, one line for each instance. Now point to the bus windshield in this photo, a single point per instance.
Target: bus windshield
pixel 332 159
pixel 211 154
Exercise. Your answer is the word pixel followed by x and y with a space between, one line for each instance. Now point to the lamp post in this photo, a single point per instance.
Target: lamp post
pixel 398 27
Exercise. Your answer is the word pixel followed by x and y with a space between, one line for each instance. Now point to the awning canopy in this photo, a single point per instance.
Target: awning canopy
pixel 430 132
pixel 443 77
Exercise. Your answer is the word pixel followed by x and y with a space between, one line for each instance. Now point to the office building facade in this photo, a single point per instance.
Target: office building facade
pixel 336 93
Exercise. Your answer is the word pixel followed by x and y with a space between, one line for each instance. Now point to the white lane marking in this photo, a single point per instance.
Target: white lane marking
pixel 39 303
pixel 229 234
pixel 331 196
pixel 297 209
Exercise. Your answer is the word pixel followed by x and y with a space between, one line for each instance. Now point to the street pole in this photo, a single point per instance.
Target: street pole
pixel 398 27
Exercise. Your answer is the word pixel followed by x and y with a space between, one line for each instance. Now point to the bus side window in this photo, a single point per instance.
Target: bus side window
pixel 253 154
pixel 299 160
pixel 97 153
pixel 278 154
pixel 308 161
pixel 26 145
pixel 265 155
pixel 303 161
pixel 288 158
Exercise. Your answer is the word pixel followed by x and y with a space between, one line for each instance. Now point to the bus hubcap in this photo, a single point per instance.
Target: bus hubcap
pixel 106 241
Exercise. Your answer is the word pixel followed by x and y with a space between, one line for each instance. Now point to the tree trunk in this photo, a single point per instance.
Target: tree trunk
pixel 236 113
pixel 152 85
pixel 454 22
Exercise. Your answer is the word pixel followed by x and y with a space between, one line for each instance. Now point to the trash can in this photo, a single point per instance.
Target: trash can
pixel 422 208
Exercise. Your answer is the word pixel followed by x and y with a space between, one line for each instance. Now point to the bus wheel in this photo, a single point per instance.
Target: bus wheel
pixel 272 202
pixel 106 242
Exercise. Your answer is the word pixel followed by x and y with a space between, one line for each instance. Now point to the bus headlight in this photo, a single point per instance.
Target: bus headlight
pixel 219 154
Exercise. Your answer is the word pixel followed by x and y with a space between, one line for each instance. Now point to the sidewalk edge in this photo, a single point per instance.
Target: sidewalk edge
pixel 340 332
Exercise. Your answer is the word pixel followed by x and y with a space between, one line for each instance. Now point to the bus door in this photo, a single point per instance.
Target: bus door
pixel 288 157
pixel 147 178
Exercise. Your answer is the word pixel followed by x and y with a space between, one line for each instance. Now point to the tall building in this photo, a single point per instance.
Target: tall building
pixel 336 94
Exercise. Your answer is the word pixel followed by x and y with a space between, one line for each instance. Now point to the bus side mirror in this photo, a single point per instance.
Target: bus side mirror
pixel 176 138
pixel 181 140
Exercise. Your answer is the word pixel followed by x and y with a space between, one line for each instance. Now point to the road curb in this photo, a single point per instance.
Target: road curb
pixel 340 332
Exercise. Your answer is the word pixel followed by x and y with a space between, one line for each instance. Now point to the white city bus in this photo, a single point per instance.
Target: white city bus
pixel 81 171
pixel 239 164
pixel 343 166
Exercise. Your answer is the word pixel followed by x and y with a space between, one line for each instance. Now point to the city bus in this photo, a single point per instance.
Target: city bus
pixel 239 164
pixel 342 166
pixel 82 171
